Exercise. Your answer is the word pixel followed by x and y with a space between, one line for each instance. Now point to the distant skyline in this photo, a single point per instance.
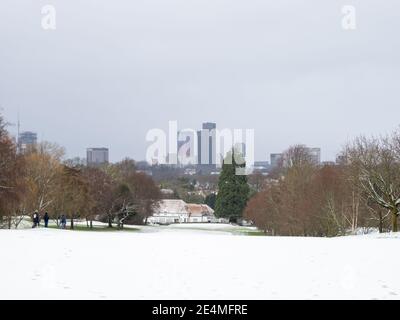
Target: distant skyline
pixel 112 70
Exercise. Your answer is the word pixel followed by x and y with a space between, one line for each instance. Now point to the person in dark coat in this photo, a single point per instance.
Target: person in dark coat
pixel 46 220
pixel 35 219
pixel 63 221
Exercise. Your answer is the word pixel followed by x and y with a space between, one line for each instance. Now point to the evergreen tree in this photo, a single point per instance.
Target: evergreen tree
pixel 210 200
pixel 233 189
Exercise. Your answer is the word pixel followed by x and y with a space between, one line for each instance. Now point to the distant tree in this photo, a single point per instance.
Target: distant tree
pixel 123 201
pixel 40 180
pixel 123 169
pixel 211 200
pixel 185 189
pixel 257 181
pixel 308 200
pixel 12 186
pixel 145 196
pixel 176 194
pixel 134 195
pixel 377 165
pixel 73 196
pixel 297 156
pixel 101 188
pixel 43 168
pixel 192 197
pixel 263 210
pixel 233 190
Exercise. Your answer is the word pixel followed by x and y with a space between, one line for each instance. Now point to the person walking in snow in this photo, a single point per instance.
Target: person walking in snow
pixel 35 219
pixel 46 219
pixel 38 219
pixel 63 221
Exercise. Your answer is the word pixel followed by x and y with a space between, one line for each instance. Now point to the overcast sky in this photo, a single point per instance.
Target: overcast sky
pixel 113 69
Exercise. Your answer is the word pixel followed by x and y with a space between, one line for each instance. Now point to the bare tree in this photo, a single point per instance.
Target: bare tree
pixel 43 168
pixel 377 161
pixel 12 167
pixel 101 189
pixel 73 196
pixel 308 200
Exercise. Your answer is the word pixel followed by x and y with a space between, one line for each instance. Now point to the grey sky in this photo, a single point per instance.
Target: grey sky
pixel 115 69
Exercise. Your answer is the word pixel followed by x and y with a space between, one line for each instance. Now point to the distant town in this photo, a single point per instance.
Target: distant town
pixel 206 156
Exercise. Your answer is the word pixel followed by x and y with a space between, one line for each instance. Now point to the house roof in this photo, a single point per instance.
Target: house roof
pixel 172 206
pixel 175 206
pixel 199 210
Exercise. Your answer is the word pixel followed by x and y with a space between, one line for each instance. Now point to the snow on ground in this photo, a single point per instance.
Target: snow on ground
pixel 184 264
pixel 208 226
pixel 212 228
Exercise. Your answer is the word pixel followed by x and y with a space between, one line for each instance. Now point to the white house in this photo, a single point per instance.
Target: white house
pixel 178 211
pixel 200 213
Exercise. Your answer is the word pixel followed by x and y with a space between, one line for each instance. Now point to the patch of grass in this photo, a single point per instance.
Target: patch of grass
pixel 243 231
pixel 253 233
pixel 96 228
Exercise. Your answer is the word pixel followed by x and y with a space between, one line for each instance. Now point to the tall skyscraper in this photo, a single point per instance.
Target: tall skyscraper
pixel 199 147
pixel 209 126
pixel 26 139
pixel 207 150
pixel 276 159
pixel 315 154
pixel 240 147
pixel 185 146
pixel 97 156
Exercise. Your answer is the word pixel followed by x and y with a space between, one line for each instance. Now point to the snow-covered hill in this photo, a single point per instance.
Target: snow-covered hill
pixel 192 264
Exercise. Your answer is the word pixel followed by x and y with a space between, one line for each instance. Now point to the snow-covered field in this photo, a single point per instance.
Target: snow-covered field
pixel 184 263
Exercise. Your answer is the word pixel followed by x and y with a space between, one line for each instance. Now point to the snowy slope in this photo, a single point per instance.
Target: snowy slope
pixel 57 264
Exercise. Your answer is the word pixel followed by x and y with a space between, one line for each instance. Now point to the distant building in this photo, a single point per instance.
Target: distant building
pixel 186 153
pixel 240 147
pixel 178 211
pixel 26 139
pixel 261 166
pixel 180 143
pixel 276 159
pixel 189 171
pixel 207 147
pixel 169 211
pixel 315 154
pixel 341 160
pixel 97 156
pixel 200 213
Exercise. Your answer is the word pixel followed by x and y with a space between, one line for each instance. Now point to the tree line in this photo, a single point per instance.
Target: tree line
pixel 39 180
pixel 361 191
